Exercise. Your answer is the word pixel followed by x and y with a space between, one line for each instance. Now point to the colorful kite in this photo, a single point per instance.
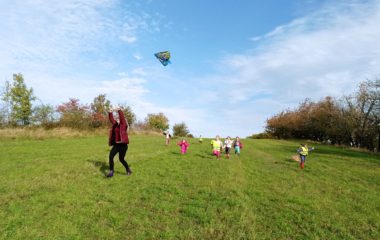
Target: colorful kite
pixel 163 57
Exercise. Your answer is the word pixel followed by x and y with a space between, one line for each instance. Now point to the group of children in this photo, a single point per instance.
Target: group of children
pixel 217 146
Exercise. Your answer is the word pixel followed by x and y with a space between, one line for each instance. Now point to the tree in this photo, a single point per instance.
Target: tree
pixel 354 120
pixel 99 108
pixel 5 109
pixel 3 116
pixel 363 114
pixel 74 114
pixel 129 114
pixel 180 130
pixel 20 98
pixel 141 126
pixel 43 114
pixel 157 121
pixel 374 92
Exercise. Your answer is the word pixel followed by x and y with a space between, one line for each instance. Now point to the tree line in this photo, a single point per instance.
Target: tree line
pixel 352 120
pixel 17 109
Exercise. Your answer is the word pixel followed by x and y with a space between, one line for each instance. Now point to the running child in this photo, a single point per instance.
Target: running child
pixel 238 145
pixel 303 151
pixel 227 145
pixel 184 146
pixel 216 145
pixel 167 136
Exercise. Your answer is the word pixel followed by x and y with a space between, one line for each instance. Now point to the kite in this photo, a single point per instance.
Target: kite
pixel 163 57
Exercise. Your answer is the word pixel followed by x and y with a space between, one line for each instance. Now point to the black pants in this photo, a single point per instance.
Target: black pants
pixel 122 150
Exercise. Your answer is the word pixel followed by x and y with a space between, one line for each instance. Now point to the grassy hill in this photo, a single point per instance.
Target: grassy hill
pixel 56 189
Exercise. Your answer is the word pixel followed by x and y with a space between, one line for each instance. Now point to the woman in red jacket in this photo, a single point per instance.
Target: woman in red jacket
pixel 118 139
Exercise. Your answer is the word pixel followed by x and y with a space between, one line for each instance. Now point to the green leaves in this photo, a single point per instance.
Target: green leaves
pixel 157 121
pixel 20 99
pixel 180 130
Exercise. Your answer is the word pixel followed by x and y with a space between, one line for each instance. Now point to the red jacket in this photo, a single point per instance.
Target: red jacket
pixel 122 128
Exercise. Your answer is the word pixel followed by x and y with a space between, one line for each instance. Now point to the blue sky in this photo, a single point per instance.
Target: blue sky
pixel 234 63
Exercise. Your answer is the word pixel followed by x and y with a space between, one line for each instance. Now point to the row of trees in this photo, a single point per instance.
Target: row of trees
pixel 352 120
pixel 17 109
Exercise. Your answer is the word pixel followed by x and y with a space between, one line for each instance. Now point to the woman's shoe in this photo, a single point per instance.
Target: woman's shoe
pixel 110 174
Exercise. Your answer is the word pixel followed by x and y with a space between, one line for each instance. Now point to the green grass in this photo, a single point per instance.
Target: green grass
pixel 56 189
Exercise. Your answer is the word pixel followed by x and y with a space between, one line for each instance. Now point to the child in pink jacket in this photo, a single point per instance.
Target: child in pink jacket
pixel 184 145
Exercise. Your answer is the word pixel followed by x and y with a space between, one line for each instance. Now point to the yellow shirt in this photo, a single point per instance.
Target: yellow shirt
pixel 216 145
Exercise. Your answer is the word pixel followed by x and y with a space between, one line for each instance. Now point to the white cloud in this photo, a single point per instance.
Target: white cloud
pixel 138 57
pixel 128 38
pixel 53 31
pixel 134 23
pixel 326 53
pixel 257 38
pixel 129 89
pixel 39 35
pixel 139 71
pixel 55 90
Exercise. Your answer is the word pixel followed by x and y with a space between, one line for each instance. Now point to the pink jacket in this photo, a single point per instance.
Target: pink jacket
pixel 183 145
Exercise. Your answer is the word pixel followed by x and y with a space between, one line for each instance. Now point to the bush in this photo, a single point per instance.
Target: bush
pixel 157 121
pixel 264 135
pixel 180 130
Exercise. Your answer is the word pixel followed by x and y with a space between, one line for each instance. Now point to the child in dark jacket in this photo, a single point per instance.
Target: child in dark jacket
pixel 238 145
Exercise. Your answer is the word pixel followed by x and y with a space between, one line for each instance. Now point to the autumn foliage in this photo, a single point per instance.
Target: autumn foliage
pixel 352 120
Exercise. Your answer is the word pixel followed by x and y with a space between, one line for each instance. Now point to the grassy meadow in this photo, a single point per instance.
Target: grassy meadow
pixel 55 188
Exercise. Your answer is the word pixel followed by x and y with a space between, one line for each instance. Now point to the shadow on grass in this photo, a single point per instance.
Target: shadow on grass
pixel 175 152
pixel 290 160
pixel 103 167
pixel 346 152
pixel 200 154
pixel 204 155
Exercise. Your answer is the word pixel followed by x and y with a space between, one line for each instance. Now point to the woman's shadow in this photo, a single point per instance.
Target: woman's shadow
pixel 103 167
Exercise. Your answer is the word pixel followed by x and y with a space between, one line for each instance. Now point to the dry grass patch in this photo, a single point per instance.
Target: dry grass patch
pixel 40 133
pixel 61 133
